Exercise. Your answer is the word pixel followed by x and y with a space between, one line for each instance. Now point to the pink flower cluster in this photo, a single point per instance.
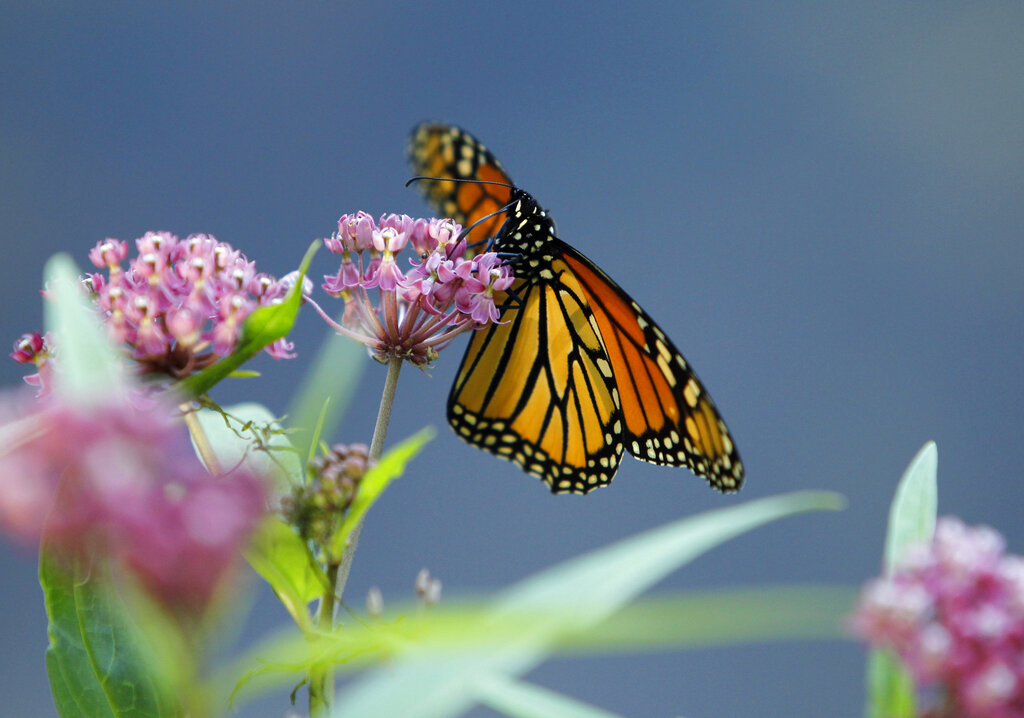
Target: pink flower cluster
pixel 123 483
pixel 442 293
pixel 954 612
pixel 181 303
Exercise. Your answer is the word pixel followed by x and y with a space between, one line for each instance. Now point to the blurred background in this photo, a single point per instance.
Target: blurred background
pixel 821 204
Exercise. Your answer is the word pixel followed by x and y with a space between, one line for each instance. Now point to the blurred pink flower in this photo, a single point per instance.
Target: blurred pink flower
pixel 954 613
pixel 122 482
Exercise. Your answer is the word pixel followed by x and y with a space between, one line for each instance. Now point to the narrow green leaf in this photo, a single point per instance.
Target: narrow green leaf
pixel 283 559
pixel 99 663
pixel 719 618
pixel 90 371
pixel 526 700
pixel 914 507
pixel 890 687
pixel 594 585
pixel 670 621
pixel 372 485
pixel 335 373
pixel 912 519
pixel 263 327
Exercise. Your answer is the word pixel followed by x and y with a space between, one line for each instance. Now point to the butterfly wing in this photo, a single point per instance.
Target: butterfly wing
pixel 670 418
pixel 538 389
pixel 449 152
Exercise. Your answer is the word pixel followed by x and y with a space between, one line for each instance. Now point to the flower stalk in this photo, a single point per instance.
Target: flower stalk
pixel 321 683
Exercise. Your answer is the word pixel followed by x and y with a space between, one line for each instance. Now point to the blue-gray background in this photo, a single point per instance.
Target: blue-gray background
pixel 820 203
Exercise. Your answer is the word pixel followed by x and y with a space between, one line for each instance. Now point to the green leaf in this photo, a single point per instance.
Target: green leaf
pixel 333 378
pixel 525 700
pixel 90 370
pixel 261 328
pixel 665 622
pixel 283 559
pixel 594 586
pixel 99 663
pixel 912 519
pixel 372 485
pixel 248 434
pixel 914 508
pixel 890 687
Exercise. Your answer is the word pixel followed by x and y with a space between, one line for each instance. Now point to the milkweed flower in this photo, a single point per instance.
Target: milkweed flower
pixel 318 508
pixel 954 613
pixel 442 292
pixel 120 481
pixel 35 349
pixel 179 304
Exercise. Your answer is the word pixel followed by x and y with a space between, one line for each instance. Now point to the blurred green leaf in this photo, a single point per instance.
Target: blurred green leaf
pixel 90 370
pixel 914 507
pixel 588 589
pixel 283 559
pixel 263 327
pixel 526 700
pixel 912 519
pixel 332 380
pixel 670 621
pixel 372 485
pixel 248 434
pixel 890 687
pixel 99 663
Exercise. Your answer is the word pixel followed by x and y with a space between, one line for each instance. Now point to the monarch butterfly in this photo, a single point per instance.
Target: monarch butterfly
pixel 576 372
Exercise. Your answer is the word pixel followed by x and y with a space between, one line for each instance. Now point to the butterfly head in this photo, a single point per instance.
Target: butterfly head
pixel 527 227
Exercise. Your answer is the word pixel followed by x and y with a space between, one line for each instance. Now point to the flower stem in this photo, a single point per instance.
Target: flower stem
pixel 387 399
pixel 202 441
pixel 321 681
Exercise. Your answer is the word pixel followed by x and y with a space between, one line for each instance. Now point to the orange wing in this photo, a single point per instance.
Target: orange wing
pixel 538 389
pixel 670 418
pixel 446 151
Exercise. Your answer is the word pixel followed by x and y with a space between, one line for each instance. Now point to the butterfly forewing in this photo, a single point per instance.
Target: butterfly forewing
pixel 670 418
pixel 445 151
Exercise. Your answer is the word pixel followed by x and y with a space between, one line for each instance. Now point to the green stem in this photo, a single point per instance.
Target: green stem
pixel 321 681
pixel 202 442
pixel 387 399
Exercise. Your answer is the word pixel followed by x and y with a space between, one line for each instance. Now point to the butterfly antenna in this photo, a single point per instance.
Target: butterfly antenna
pixel 417 178
pixel 465 232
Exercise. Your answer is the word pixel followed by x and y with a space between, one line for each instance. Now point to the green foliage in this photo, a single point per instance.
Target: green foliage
pixel 90 369
pixel 373 483
pixel 911 521
pixel 101 663
pixel 438 662
pixel 283 559
pixel 914 507
pixel 249 434
pixel 326 391
pixel 261 328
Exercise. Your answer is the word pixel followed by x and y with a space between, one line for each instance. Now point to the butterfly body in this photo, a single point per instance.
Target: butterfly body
pixel 575 373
